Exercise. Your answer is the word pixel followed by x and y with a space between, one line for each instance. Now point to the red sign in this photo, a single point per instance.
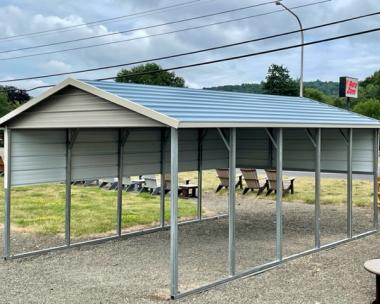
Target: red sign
pixel 348 87
pixel 352 86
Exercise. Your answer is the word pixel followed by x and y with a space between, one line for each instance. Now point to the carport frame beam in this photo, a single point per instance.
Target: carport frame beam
pixel 71 135
pixel 317 211
pixel 375 179
pixel 349 184
pixel 123 137
pixel 174 213
pixel 231 203
pixel 279 222
pixel 7 193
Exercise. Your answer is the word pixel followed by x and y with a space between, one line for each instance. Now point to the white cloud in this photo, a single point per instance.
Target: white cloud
pixel 325 62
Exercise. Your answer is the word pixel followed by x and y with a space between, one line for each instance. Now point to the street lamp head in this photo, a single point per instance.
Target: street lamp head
pixel 278 2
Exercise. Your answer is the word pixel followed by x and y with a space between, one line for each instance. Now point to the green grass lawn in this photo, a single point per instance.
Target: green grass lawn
pixel 333 191
pixel 40 209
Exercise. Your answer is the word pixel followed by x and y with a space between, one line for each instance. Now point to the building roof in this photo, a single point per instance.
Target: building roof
pixel 183 107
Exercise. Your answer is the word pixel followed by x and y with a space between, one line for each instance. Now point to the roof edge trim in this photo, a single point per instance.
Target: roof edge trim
pixel 274 125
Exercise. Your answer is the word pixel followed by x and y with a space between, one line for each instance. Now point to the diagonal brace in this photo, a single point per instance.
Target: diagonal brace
pixel 271 138
pixel 224 138
pixel 344 136
pixel 311 137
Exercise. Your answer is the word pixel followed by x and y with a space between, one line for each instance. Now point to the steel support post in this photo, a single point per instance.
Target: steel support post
pixel 120 174
pixel 69 143
pixel 231 203
pixel 375 178
pixel 7 193
pixel 173 213
pixel 162 168
pixel 200 175
pixel 317 214
pixel 349 184
pixel 279 228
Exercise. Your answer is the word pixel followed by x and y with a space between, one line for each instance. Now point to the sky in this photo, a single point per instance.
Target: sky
pixel 356 56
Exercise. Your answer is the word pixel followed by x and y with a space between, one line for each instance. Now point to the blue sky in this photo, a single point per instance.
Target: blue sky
pixel 357 57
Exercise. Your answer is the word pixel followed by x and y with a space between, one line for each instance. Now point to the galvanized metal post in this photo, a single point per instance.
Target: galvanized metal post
pixel 200 175
pixel 162 191
pixel 69 143
pixel 349 184
pixel 173 213
pixel 279 228
pixel 231 203
pixel 7 193
pixel 375 179
pixel 317 215
pixel 120 175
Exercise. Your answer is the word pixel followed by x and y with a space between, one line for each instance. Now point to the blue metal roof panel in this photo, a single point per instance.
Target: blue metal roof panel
pixel 206 106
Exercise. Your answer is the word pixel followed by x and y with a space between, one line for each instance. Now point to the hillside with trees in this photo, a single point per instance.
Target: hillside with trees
pixel 279 82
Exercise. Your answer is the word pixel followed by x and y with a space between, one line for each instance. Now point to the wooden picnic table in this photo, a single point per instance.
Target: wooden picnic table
pixel 188 190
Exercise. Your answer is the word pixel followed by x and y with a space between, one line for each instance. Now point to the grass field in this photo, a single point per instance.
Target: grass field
pixel 333 191
pixel 40 208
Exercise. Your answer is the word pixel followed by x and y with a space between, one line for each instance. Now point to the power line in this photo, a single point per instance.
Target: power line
pixel 137 29
pixel 158 34
pixel 93 23
pixel 196 51
pixel 237 57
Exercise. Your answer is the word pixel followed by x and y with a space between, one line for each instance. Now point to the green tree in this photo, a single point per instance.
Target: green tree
pixel 15 95
pixel 5 105
pixel 370 108
pixel 279 82
pixel 318 95
pixel 155 76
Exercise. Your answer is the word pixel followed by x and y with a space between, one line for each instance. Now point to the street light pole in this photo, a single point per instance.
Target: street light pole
pixel 302 41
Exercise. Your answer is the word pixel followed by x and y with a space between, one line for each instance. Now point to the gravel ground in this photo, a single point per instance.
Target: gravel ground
pixel 136 270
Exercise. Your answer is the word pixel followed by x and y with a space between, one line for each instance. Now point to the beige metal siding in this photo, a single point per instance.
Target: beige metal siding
pixel 74 108
pixel 38 156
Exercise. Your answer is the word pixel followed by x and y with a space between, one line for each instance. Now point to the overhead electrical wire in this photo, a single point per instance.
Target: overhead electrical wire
pixel 102 21
pixel 196 51
pixel 155 35
pixel 238 57
pixel 139 28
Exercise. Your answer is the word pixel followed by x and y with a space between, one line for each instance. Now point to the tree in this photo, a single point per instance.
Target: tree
pixel 279 82
pixel 316 94
pixel 5 105
pixel 370 108
pixel 158 77
pixel 15 95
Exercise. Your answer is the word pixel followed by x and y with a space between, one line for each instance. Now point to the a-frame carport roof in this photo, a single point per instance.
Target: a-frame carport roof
pixel 186 108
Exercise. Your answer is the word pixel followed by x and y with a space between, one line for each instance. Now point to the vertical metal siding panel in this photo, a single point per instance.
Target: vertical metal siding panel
pixel 252 148
pixel 334 148
pixel 38 156
pixel 215 154
pixel 94 154
pixel 298 151
pixel 362 150
pixel 142 152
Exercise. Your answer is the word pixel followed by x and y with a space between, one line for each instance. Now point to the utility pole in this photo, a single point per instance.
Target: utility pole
pixel 302 42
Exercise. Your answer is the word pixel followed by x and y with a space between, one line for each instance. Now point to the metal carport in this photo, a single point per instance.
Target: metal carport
pixel 92 129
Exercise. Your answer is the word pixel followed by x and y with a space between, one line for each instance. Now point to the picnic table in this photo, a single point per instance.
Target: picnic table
pixel 373 266
pixel 188 190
